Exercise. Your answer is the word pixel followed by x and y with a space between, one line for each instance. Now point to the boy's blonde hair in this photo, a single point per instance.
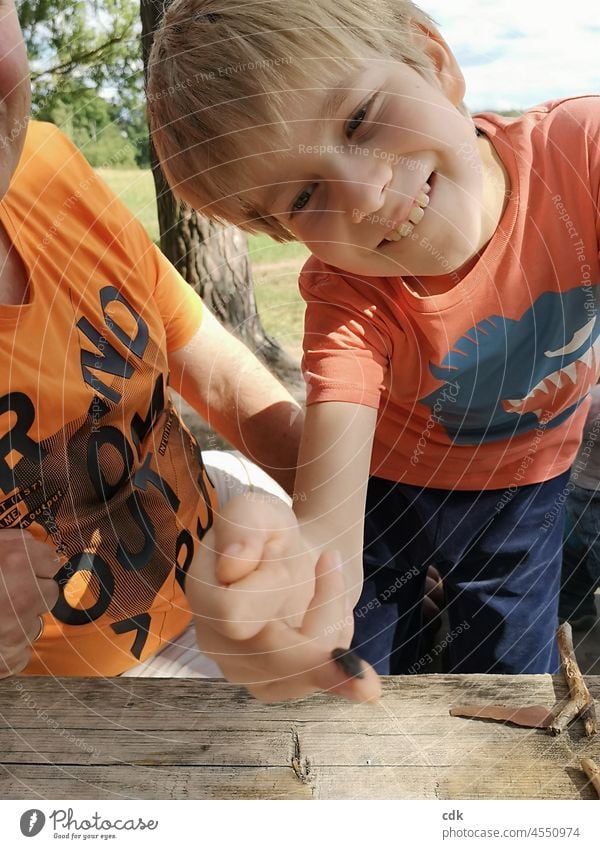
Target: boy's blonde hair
pixel 221 68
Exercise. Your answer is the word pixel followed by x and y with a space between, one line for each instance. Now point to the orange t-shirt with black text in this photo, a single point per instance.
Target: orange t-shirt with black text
pixel 94 459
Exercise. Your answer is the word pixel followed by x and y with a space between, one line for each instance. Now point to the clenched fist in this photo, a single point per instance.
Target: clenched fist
pixel 27 591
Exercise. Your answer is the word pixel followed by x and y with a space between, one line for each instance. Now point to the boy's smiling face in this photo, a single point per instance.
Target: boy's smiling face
pixel 396 159
pixel 15 93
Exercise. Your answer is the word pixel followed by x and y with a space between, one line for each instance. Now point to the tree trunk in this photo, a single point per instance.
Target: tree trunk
pixel 213 258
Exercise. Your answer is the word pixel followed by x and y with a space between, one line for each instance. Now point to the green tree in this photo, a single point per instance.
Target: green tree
pixel 211 257
pixel 86 74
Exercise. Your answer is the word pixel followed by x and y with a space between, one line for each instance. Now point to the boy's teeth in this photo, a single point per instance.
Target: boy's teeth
pixel 414 216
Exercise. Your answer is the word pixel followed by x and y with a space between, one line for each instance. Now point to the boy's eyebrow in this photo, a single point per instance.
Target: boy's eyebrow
pixel 339 94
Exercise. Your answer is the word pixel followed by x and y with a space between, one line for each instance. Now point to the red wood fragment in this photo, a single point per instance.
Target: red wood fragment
pixel 530 716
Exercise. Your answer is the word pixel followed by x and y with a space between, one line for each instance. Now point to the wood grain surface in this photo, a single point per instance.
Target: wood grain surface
pixel 84 738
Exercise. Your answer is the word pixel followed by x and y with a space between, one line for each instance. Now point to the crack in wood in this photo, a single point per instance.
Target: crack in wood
pixel 301 764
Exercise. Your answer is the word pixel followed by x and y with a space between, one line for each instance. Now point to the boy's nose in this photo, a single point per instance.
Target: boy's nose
pixel 362 188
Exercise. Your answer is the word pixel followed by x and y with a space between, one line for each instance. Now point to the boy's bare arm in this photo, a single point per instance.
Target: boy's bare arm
pixel 240 398
pixel 331 482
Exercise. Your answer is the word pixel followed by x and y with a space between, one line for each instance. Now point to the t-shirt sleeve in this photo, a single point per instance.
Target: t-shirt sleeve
pixel 114 227
pixel 346 350
pixel 586 112
pixel 180 306
pixel 582 115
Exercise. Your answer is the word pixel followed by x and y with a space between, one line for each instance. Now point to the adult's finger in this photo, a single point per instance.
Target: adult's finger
pixel 293 663
pixel 240 610
pixel 13 663
pixel 18 546
pixel 245 525
pixel 49 592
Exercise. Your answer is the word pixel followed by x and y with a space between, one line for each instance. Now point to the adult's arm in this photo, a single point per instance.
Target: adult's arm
pixel 239 398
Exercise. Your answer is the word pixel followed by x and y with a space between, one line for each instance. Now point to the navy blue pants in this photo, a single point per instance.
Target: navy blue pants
pixel 499 554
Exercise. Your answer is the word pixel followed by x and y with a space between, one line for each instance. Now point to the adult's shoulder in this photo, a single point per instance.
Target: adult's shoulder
pixel 47 146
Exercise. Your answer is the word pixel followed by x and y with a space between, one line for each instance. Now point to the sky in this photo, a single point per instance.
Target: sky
pixel 516 53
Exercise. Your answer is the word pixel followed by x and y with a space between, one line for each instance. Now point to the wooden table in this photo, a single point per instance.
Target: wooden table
pixel 77 738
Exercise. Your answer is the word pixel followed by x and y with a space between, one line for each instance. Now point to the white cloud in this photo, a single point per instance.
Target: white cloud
pixel 516 53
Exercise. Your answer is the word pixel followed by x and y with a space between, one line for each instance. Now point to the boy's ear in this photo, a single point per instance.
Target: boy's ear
pixel 444 65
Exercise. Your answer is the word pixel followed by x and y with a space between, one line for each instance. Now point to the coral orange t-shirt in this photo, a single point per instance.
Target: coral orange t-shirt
pixel 483 386
pixel 94 459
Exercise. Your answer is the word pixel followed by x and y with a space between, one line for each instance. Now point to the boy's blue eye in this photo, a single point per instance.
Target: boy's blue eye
pixel 356 121
pixel 301 201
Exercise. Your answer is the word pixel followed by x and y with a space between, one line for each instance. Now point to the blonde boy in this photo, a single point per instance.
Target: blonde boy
pixel 450 336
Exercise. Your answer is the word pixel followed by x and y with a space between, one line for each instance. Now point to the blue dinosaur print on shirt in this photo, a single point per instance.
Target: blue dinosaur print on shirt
pixel 504 376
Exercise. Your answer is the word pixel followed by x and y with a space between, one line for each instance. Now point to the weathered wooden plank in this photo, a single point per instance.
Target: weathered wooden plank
pixel 399 782
pixel 135 782
pixel 94 738
pixel 186 704
pixel 203 747
pixel 324 745
pixel 448 783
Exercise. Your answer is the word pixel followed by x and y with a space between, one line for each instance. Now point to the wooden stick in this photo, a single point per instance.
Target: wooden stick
pixel 593 773
pixel 580 702
pixel 588 715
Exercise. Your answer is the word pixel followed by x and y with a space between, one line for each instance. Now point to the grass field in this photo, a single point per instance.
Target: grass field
pixel 275 267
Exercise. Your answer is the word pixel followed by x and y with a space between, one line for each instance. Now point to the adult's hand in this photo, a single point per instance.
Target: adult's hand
pixel 27 591
pixel 268 614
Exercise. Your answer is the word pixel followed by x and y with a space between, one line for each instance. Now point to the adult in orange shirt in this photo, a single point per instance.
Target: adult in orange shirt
pixel 103 492
pixel 104 495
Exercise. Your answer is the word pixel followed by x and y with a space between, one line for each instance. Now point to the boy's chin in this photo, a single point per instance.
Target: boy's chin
pixel 415 260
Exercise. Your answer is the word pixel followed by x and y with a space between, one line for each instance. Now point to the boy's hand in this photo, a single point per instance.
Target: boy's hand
pixel 26 592
pixel 266 613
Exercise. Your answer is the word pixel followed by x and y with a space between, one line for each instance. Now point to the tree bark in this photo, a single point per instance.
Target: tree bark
pixel 213 258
